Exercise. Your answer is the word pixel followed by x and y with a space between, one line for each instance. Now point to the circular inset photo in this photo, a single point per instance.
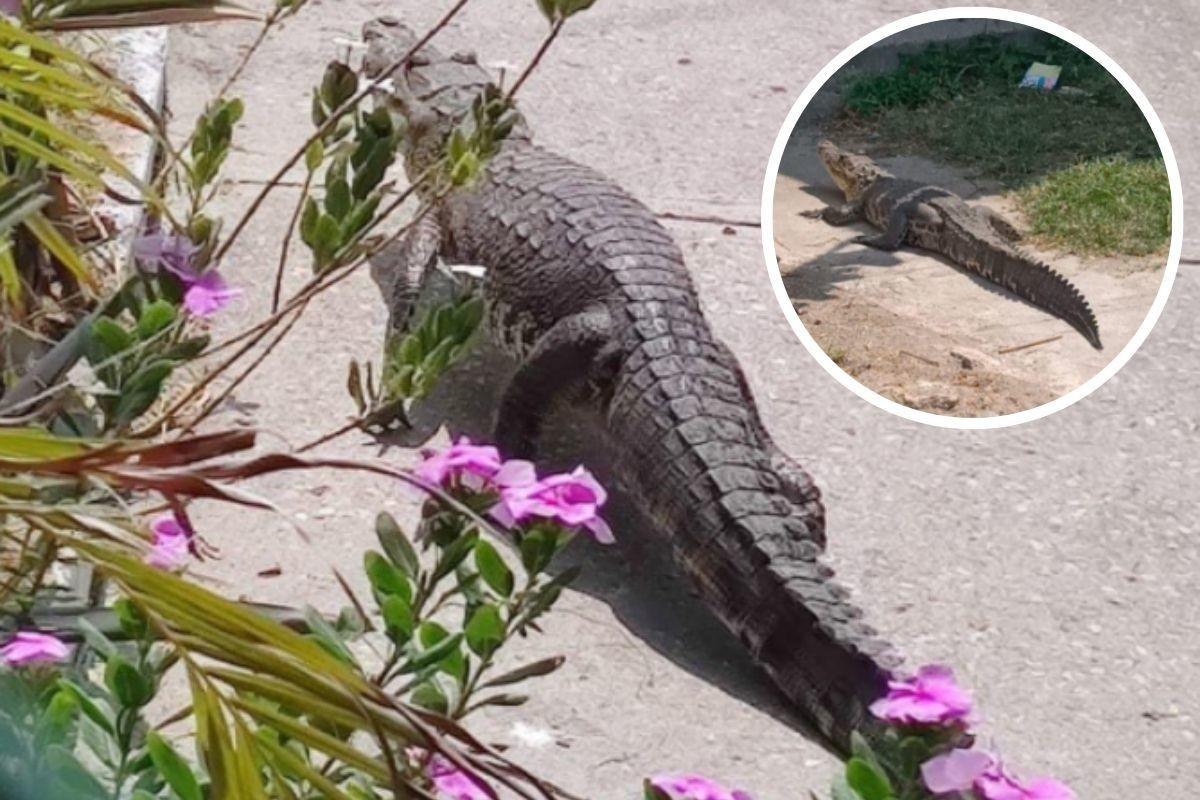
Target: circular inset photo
pixel 972 221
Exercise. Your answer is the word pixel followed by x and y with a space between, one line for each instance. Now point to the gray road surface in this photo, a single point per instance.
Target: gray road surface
pixel 1054 564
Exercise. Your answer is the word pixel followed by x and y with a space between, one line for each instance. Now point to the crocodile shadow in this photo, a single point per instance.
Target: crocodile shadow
pixel 817 278
pixel 637 578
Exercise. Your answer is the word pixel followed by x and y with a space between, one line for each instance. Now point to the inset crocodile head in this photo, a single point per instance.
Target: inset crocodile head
pixel 434 92
pixel 852 173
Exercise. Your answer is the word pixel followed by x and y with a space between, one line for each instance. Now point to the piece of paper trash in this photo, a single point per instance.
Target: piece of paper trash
pixel 1041 76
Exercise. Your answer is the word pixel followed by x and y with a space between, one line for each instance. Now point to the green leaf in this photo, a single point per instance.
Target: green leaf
pixel 454 554
pixel 485 630
pixel 427 658
pixel 156 317
pixel 314 155
pixel 429 695
pixel 325 635
pixel 385 578
pixel 174 770
pixel 308 222
pixel 327 240
pixel 537 549
pixel 90 706
pixel 396 545
pixel 867 780
pixel 57 720
pixel 71 779
pixel 128 685
pixel 491 566
pixel 133 622
pixel 108 339
pixel 842 791
pixel 337 199
pixel 398 618
pixel 534 670
pixel 140 391
pixel 95 639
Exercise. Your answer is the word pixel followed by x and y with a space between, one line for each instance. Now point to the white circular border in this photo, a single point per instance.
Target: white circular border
pixel 776 276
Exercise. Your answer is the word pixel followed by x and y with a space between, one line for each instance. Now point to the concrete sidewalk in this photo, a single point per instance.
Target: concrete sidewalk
pixel 1054 564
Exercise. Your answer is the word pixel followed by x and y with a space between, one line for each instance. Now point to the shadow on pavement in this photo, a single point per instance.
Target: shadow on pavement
pixel 637 578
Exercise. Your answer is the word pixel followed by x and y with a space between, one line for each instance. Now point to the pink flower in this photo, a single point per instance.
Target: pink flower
pixel 955 771
pixel 998 784
pixel 10 7
pixel 204 293
pixel 452 782
pixel 459 460
pixel 931 697
pixel 165 250
pixel 172 543
pixel 573 499
pixel 695 787
pixel 207 294
pixel 27 647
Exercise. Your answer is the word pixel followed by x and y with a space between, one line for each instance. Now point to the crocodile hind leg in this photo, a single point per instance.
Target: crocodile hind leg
pixel 401 273
pixel 572 351
pixel 999 224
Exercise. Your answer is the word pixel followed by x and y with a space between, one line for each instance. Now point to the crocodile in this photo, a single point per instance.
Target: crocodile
pixel 589 293
pixel 976 238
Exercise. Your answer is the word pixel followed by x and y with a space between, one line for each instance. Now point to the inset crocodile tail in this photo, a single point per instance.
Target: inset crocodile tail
pixel 1032 280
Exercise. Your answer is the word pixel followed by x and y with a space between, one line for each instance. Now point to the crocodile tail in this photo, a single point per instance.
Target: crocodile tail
pixel 1035 281
pixel 692 452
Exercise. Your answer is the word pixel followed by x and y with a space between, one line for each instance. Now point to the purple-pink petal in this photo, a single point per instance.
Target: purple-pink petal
pixel 955 771
pixel 998 784
pixel 172 543
pixel 208 294
pixel 572 499
pixel 459 459
pixel 931 697
pixel 452 782
pixel 695 787
pixel 29 647
pixel 166 250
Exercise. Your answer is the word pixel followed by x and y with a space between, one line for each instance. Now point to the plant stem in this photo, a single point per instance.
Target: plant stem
pixel 330 123
pixel 537 58
pixel 287 242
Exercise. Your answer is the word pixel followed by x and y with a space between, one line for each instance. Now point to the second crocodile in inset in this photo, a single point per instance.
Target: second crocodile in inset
pixel 974 237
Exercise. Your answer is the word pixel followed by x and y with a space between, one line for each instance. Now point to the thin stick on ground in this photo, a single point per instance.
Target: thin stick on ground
pixel 1006 350
pixel 928 361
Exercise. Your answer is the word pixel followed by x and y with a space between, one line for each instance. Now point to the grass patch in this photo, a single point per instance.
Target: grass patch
pixel 1084 164
pixel 1110 205
pixel 961 103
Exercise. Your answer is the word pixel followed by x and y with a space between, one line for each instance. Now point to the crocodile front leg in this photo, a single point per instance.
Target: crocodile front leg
pixel 572 351
pixel 892 237
pixel 400 274
pixel 843 214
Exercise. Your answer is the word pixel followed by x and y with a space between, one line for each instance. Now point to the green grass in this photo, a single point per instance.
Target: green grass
pixel 1066 154
pixel 1111 205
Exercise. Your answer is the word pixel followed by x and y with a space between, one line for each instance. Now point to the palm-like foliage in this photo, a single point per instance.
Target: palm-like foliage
pixel 256 685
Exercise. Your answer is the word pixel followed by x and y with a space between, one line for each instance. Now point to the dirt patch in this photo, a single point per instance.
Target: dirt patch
pixel 913 366
pixel 894 320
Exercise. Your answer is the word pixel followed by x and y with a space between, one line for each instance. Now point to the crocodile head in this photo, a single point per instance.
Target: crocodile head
pixel 852 173
pixel 433 92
